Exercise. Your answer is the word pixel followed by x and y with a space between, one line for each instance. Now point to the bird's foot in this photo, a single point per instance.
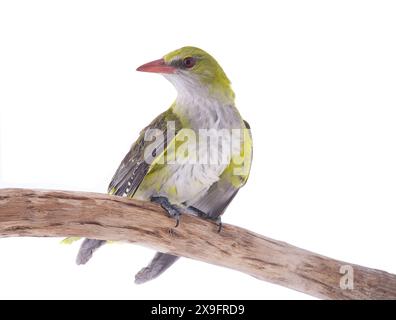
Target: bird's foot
pixel 204 215
pixel 172 210
pixel 219 224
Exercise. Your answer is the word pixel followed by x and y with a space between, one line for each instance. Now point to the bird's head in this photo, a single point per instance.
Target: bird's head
pixel 193 72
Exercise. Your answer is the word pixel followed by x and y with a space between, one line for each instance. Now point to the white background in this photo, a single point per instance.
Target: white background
pixel 315 79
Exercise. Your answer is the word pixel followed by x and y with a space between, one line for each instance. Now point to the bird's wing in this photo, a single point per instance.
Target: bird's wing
pixel 134 166
pixel 132 171
pixel 234 177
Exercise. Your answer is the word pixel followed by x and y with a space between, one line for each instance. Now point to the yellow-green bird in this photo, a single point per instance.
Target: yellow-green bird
pixel 193 157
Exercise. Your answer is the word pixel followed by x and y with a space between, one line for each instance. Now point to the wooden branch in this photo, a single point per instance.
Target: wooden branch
pixel 58 214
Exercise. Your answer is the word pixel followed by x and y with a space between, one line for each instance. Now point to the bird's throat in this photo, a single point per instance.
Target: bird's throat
pixel 203 112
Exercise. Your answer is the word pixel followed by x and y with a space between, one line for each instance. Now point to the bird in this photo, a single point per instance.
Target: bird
pixel 202 182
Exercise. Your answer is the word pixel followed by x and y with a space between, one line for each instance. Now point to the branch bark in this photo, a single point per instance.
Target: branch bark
pixel 40 213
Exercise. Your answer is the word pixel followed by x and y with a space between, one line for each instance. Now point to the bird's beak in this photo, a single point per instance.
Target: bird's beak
pixel 157 66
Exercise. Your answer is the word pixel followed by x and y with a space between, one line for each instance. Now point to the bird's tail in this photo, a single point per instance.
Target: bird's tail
pixel 87 249
pixel 157 266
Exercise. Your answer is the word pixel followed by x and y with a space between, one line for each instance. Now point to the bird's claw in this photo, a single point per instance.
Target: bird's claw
pixel 172 210
pixel 177 221
pixel 176 215
pixel 219 224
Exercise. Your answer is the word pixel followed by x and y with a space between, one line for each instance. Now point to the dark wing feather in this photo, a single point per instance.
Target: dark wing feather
pixel 217 199
pixel 133 167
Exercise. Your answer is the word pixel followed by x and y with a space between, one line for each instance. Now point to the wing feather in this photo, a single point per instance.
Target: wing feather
pixel 134 167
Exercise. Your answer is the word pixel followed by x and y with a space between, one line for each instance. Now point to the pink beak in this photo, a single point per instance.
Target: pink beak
pixel 157 66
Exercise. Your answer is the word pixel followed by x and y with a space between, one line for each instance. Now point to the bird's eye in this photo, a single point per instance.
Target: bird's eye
pixel 189 62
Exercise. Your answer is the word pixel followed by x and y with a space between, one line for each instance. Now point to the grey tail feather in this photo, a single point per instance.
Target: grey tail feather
pixel 88 247
pixel 157 266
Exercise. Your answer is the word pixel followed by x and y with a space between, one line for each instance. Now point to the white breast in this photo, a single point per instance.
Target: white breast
pixel 187 182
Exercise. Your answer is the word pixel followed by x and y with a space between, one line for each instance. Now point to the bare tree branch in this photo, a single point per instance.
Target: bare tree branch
pixel 58 214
